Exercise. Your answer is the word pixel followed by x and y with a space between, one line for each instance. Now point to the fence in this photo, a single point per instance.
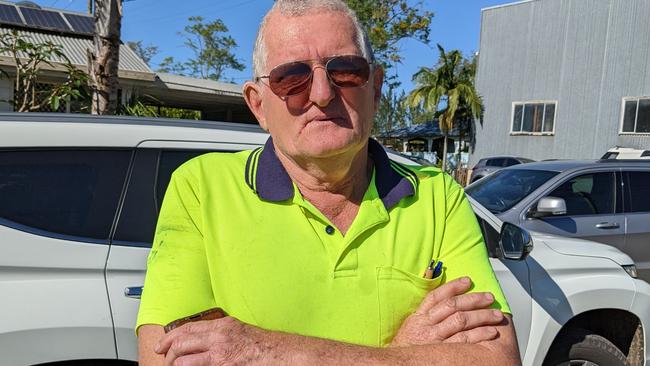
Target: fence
pixel 462 176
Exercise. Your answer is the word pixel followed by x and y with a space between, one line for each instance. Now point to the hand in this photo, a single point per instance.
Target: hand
pixel 447 314
pixel 214 342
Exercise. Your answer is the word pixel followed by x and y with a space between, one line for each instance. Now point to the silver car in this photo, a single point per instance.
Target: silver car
pixel 487 166
pixel 607 201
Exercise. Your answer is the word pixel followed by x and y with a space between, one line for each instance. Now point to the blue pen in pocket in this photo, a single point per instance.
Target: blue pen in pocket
pixel 438 270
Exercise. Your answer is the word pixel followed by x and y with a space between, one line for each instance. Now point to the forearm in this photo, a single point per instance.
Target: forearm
pixel 227 340
pixel 300 350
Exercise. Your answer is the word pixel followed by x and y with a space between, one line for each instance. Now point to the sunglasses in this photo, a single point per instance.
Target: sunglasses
pixel 295 77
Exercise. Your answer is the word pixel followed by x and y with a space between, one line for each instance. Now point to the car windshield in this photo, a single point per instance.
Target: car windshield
pixel 500 191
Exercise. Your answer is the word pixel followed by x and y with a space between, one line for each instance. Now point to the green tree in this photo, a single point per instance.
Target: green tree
pixel 394 112
pixel 448 91
pixel 212 50
pixel 391 113
pixel 387 23
pixel 171 66
pixel 29 59
pixel 146 53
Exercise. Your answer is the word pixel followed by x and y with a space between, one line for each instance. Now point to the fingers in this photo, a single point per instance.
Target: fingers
pixel 467 320
pixel 189 328
pixel 189 344
pixel 476 335
pixel 448 290
pixel 464 302
pixel 200 359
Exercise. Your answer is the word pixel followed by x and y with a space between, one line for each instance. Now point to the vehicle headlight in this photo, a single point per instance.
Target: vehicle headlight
pixel 631 270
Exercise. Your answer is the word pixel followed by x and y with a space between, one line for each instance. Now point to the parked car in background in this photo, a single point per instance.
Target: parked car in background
pixel 607 201
pixel 80 198
pixel 564 296
pixel 487 166
pixel 626 153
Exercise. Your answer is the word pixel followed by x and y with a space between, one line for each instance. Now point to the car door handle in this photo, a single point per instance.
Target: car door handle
pixel 133 292
pixel 608 225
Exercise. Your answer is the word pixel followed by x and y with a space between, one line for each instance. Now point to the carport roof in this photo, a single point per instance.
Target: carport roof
pixel 426 129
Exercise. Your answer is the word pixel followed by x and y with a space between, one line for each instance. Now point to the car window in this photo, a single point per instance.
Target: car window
pixel 510 162
pixel 152 170
pixel 638 199
pixel 491 237
pixel 610 155
pixel 65 192
pixel 502 190
pixel 494 162
pixel 169 161
pixel 588 194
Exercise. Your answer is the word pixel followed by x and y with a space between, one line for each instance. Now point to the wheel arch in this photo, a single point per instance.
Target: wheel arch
pixel 623 328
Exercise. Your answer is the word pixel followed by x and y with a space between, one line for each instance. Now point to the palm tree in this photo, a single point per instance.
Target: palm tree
pixel 447 90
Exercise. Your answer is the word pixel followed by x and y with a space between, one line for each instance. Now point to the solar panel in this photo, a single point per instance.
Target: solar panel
pixel 44 19
pixel 81 24
pixel 9 14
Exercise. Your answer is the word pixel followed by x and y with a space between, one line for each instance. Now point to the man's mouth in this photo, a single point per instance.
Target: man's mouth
pixel 327 119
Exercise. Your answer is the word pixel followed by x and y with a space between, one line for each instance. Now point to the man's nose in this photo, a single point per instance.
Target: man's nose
pixel 322 91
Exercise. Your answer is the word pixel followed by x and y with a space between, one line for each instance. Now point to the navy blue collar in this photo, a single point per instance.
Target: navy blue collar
pixel 267 177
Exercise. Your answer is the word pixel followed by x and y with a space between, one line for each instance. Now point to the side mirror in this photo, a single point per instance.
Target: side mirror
pixel 549 206
pixel 514 242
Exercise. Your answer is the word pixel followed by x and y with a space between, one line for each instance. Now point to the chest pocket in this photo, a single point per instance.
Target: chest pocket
pixel 400 293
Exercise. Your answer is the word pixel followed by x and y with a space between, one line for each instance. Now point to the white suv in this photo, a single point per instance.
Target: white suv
pixel 626 153
pixel 79 198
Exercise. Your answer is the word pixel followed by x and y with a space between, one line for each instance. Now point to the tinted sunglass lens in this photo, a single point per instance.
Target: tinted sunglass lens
pixel 348 71
pixel 289 79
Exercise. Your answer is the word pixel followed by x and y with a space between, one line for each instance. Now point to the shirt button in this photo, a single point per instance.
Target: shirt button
pixel 329 229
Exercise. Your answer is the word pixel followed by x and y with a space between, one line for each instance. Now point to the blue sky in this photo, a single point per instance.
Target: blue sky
pixel 456 25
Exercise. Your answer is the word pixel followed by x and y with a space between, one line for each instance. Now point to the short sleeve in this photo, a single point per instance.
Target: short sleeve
pixel 463 250
pixel 177 282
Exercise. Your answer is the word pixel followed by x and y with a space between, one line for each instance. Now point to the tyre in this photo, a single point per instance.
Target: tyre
pixel 581 347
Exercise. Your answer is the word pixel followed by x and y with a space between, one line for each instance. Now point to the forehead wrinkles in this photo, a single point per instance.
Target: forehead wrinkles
pixel 288 36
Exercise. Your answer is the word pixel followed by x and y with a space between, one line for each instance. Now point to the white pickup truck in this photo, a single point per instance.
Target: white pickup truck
pixel 79 197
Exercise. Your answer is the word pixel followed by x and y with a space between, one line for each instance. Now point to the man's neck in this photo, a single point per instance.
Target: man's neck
pixel 335 186
pixel 339 175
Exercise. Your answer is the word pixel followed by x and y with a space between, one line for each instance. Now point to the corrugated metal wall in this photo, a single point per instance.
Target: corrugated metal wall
pixel 585 54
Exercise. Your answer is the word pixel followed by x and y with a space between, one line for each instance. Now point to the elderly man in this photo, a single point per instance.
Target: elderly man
pixel 315 244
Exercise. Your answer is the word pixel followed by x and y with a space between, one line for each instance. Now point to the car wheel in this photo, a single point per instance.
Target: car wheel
pixel 581 347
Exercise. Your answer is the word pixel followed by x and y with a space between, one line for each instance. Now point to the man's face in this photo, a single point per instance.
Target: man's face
pixel 323 121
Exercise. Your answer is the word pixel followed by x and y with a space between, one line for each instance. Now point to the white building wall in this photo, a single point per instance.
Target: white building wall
pixel 585 54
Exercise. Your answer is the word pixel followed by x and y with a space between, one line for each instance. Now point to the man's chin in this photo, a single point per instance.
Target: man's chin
pixel 330 148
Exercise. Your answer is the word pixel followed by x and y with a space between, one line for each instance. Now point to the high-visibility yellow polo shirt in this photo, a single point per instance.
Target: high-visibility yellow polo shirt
pixel 235 232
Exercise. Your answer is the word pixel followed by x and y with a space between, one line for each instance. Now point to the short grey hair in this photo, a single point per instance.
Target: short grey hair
pixel 296 8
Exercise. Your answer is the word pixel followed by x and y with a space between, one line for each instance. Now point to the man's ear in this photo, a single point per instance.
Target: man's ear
pixel 377 82
pixel 253 97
